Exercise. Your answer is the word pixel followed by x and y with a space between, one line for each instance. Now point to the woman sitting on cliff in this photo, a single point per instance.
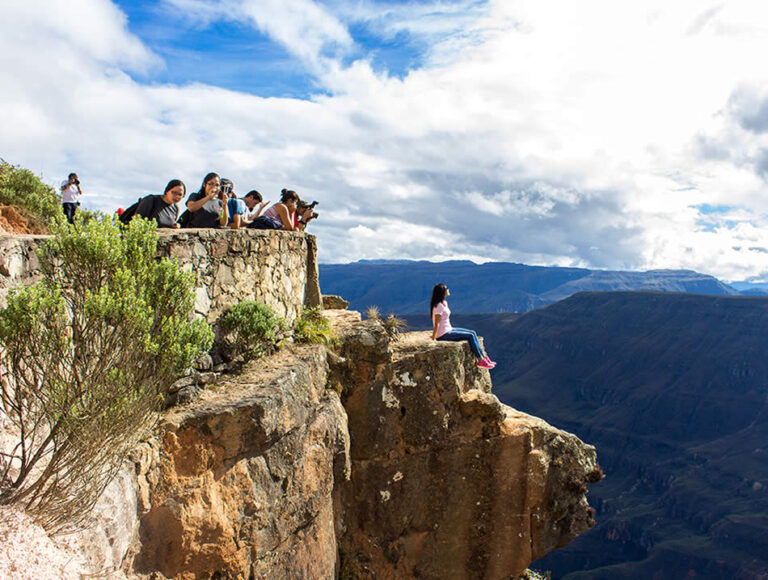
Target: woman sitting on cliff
pixel 281 216
pixel 442 329
pixel 206 208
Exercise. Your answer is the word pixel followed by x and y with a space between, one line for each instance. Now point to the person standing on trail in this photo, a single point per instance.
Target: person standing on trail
pixel 70 196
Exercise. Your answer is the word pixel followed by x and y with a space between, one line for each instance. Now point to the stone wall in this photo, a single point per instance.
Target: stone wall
pixel 274 267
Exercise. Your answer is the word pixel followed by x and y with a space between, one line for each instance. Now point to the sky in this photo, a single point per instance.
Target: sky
pixel 600 133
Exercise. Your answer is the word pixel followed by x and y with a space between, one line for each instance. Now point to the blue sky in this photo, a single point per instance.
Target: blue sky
pixel 232 54
pixel 596 134
pixel 225 54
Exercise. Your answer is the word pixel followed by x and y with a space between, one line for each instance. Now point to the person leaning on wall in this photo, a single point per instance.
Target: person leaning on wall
pixel 206 208
pixel 281 216
pixel 163 208
pixel 243 211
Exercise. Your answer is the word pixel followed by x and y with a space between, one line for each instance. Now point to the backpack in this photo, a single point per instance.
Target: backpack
pixel 130 211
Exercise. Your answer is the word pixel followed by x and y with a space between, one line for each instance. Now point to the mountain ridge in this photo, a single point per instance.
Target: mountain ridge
pixel 404 287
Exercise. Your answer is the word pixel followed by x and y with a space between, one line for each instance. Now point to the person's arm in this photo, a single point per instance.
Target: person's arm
pixel 262 205
pixel 146 207
pixel 236 221
pixel 285 217
pixel 197 204
pixel 224 217
pixel 306 218
pixel 435 324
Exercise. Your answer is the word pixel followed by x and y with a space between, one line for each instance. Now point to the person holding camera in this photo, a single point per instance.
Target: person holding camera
pixel 207 208
pixel 70 196
pixel 305 213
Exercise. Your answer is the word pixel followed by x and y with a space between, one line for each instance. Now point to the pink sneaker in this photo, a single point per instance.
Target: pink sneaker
pixel 484 364
pixel 489 361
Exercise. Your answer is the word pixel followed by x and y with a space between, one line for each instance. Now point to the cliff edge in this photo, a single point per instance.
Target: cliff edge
pixel 421 472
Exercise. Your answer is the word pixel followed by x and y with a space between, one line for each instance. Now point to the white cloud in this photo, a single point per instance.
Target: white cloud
pixel 565 133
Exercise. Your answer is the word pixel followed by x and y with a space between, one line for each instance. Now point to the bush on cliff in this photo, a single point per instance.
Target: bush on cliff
pixel 314 328
pixel 88 353
pixel 23 190
pixel 255 328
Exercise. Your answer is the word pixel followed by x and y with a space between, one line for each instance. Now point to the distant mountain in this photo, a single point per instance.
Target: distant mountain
pixel 404 287
pixel 673 391
pixel 751 288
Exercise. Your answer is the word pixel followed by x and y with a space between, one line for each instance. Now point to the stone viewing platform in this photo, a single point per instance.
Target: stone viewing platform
pixel 274 267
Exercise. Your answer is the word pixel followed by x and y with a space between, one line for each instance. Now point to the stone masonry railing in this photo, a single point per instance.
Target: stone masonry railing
pixel 274 267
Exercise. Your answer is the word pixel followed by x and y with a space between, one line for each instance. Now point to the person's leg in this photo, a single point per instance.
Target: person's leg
pixel 69 211
pixel 459 334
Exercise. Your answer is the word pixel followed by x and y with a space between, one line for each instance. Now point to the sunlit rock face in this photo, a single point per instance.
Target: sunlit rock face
pixel 446 481
pixel 240 483
pixel 425 474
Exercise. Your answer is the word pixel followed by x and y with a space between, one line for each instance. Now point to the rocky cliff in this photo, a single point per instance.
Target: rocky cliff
pixel 386 459
pixel 425 474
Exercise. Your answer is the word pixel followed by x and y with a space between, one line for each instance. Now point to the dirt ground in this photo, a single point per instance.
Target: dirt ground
pixel 14 221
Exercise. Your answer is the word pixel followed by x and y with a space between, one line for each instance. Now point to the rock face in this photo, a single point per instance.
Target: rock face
pixel 446 481
pixel 425 475
pixel 240 484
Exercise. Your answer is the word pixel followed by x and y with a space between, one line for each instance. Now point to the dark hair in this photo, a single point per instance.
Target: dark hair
pixel 438 295
pixel 175 183
pixel 288 195
pixel 71 175
pixel 254 194
pixel 206 179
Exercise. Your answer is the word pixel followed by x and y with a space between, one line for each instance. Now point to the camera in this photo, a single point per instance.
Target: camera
pixel 315 215
pixel 77 181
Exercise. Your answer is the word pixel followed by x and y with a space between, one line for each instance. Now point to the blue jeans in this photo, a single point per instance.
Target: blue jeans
pixel 69 210
pixel 459 334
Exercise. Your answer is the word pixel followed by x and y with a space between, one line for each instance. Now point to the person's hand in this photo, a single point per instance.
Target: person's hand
pixel 263 204
pixel 176 226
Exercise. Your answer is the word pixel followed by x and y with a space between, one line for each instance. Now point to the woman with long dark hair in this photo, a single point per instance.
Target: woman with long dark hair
pixel 442 329
pixel 207 207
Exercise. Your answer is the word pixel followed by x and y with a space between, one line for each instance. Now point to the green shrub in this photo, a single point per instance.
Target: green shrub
pixel 23 189
pixel 89 353
pixel 256 329
pixel 314 328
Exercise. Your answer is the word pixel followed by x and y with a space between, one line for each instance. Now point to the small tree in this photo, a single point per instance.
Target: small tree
pixel 255 328
pixel 89 352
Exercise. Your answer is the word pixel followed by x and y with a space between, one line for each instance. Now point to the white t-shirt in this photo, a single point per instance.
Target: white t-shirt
pixel 69 192
pixel 445 319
